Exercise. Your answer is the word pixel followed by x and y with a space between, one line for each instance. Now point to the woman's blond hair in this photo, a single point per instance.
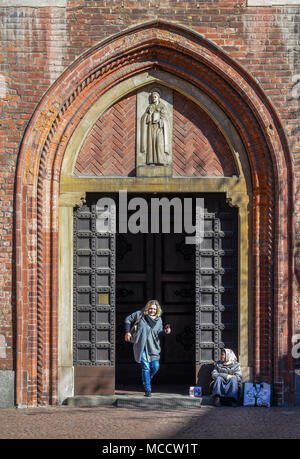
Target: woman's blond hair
pixel 158 308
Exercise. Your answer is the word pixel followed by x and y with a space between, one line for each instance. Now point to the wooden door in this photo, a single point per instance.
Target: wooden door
pixel 94 305
pixel 216 286
pixel 115 275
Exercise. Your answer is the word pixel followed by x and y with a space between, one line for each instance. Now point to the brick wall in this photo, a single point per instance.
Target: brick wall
pixel 38 43
pixel 199 148
pixel 110 146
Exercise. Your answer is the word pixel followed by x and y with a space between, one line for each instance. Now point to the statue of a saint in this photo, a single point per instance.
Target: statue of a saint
pixel 155 132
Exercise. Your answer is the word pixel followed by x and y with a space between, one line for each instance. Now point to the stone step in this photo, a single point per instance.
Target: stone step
pixel 90 401
pixel 157 401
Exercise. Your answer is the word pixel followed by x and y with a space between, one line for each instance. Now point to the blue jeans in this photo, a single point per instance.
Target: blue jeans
pixel 149 369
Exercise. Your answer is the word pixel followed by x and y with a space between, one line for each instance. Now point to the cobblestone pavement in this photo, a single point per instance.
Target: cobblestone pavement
pixel 207 422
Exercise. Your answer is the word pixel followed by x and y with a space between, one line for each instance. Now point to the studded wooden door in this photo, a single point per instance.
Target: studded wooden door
pixel 216 286
pixel 94 304
pixel 197 287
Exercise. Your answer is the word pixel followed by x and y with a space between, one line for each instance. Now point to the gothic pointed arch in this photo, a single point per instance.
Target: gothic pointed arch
pixel 180 52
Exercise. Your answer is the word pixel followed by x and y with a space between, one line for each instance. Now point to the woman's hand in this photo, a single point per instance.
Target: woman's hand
pixel 167 329
pixel 230 376
pixel 127 337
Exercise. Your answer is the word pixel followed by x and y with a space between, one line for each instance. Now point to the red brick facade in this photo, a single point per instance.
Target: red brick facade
pixel 53 69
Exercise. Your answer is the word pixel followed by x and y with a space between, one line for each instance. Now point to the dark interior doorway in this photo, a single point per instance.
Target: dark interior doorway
pixel 157 266
pixel 115 274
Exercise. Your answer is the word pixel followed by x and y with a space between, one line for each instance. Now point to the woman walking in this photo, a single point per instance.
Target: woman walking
pixel 227 377
pixel 146 347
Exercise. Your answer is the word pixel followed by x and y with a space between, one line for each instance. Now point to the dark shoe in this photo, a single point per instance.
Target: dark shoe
pixel 234 403
pixel 148 393
pixel 217 400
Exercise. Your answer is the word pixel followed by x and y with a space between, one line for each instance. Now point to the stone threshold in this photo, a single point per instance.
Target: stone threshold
pixel 139 401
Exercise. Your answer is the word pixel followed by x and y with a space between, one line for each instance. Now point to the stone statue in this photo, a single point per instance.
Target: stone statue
pixel 155 132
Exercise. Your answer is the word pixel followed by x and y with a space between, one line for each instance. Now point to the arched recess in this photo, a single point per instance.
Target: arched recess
pixel 163 49
pixel 73 190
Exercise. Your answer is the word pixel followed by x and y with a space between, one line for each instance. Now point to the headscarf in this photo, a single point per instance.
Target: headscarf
pixel 230 357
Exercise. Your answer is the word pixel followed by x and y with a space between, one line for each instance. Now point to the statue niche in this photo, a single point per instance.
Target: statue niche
pixel 154 130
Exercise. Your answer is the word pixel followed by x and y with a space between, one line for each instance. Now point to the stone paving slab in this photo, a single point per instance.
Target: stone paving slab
pixel 110 422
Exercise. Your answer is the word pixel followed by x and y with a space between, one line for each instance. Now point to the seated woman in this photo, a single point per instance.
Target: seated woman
pixel 227 378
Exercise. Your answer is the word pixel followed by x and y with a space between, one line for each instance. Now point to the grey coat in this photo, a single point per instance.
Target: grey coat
pixel 223 370
pixel 147 338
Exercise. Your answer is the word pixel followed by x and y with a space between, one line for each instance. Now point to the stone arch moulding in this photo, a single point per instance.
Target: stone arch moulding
pixel 237 188
pixel 189 56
